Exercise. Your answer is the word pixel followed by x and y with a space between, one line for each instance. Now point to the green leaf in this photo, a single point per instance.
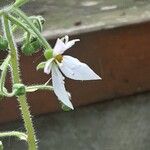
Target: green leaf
pixel 41 65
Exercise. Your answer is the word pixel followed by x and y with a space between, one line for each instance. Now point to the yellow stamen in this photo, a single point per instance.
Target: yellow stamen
pixel 59 58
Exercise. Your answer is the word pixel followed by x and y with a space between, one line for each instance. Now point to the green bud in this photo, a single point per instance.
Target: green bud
pixel 36 44
pixel 28 49
pixel 19 89
pixel 48 54
pixel 3 43
pixel 31 47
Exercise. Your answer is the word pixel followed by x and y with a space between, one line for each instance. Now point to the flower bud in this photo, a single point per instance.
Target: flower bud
pixel 31 47
pixel 28 49
pixel 3 43
pixel 36 44
pixel 48 54
pixel 19 89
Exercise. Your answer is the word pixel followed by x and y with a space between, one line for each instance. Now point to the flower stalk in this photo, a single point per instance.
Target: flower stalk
pixel 23 16
pixel 20 135
pixel 16 79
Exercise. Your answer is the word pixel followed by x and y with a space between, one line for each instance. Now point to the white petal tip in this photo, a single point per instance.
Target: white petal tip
pixel 77 40
pixel 71 106
pixel 46 71
pixel 96 78
pixel 99 78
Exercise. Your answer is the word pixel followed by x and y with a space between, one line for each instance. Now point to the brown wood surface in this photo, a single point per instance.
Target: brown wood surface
pixel 120 56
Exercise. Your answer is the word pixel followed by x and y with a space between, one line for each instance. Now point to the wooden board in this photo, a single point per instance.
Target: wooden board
pixel 121 56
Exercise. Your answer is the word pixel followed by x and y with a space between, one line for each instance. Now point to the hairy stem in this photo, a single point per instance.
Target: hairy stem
pixel 20 135
pixel 38 87
pixel 3 69
pixel 24 107
pixel 23 16
pixel 19 3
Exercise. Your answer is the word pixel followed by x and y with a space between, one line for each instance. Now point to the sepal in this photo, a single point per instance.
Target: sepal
pixel 64 107
pixel 19 89
pixel 40 66
pixel 48 54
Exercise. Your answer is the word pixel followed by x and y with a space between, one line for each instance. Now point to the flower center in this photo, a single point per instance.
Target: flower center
pixel 59 58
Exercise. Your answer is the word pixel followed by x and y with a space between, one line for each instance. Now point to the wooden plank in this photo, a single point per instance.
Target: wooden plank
pixel 80 16
pixel 120 55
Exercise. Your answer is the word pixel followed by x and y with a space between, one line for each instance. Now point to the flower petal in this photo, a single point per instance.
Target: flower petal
pixel 59 87
pixel 77 70
pixel 59 47
pixel 71 43
pixel 48 66
pixel 63 44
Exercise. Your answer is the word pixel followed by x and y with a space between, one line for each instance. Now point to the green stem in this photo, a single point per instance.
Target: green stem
pixel 20 135
pixel 1 12
pixel 3 69
pixel 19 3
pixel 23 16
pixel 17 22
pixel 38 87
pixel 24 107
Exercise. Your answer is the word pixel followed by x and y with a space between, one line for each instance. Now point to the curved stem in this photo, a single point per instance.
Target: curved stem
pixel 17 22
pixel 3 69
pixel 23 16
pixel 24 107
pixel 20 135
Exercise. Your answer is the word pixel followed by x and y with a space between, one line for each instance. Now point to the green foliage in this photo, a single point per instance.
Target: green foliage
pixel 19 89
pixel 31 47
pixel 48 54
pixel 3 43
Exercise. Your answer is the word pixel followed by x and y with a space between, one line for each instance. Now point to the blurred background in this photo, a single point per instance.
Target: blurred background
pixel 112 114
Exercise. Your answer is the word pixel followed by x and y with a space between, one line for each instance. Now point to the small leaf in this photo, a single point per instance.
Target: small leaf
pixel 41 65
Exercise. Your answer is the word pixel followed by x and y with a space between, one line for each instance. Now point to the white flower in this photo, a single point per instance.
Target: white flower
pixel 71 67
